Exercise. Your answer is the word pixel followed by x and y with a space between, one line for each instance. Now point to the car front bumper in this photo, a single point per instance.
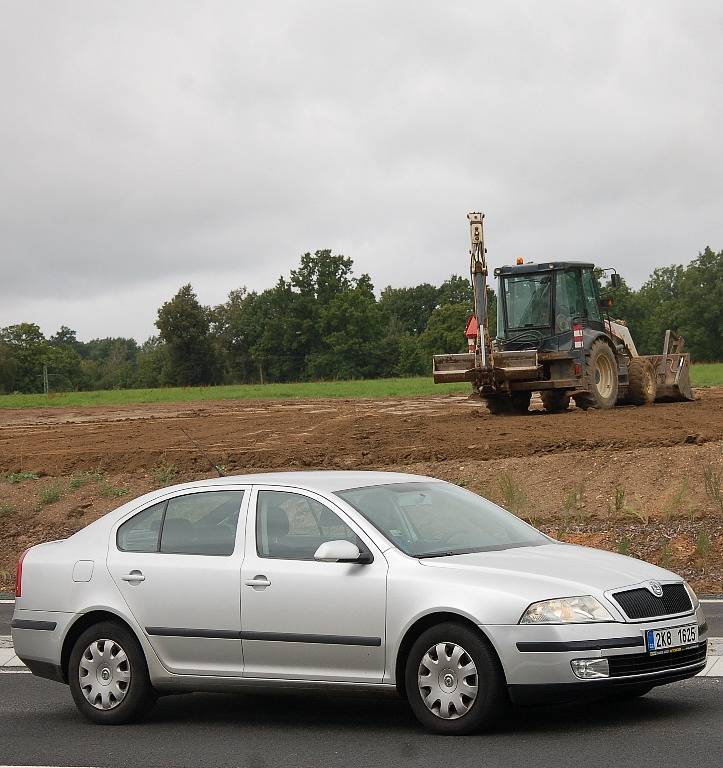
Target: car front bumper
pixel 537 658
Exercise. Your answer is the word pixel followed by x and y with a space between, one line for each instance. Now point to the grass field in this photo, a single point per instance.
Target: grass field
pixel 702 375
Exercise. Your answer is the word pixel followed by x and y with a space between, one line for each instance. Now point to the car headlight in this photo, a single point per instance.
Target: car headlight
pixel 566 610
pixel 692 595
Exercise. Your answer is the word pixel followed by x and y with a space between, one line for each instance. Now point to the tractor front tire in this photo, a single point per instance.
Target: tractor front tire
pixel 641 382
pixel 555 401
pixel 603 377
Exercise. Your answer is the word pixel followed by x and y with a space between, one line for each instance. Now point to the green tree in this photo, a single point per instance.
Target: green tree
pixel 184 326
pixel 351 331
pixel 445 330
pixel 700 313
pixel 29 348
pixel 8 368
pixel 456 290
pixel 410 307
pixel 152 364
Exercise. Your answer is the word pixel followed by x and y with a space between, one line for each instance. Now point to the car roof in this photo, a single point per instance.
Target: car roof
pixel 326 480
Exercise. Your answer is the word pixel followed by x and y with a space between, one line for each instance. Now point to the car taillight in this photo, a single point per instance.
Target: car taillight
pixel 19 575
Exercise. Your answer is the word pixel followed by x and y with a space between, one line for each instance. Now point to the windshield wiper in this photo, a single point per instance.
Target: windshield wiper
pixel 448 553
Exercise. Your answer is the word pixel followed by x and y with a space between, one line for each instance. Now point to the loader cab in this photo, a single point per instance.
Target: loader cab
pixel 538 304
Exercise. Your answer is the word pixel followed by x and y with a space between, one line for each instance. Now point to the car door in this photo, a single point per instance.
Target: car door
pixel 176 563
pixel 304 619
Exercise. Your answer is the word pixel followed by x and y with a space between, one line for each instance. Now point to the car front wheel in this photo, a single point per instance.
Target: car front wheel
pixel 108 675
pixel 453 680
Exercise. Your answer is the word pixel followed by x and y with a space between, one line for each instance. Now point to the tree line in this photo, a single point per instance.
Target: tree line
pixel 324 322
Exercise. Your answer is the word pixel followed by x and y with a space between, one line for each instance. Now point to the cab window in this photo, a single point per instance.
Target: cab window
pixel 291 526
pixel 588 287
pixel 569 302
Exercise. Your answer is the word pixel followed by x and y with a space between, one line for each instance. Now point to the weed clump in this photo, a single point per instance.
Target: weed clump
pixel 164 473
pixel 50 494
pixel 18 477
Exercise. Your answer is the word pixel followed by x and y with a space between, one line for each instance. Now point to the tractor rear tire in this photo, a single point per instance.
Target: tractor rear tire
pixel 498 405
pixel 502 405
pixel 520 401
pixel 641 382
pixel 555 401
pixel 603 377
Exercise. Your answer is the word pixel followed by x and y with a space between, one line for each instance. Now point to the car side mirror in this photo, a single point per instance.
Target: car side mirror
pixel 615 280
pixel 340 551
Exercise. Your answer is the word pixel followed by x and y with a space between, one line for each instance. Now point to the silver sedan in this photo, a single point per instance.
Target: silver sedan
pixel 345 580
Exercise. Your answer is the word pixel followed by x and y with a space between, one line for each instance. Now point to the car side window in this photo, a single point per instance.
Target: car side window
pixel 290 526
pixel 201 523
pixel 193 524
pixel 142 532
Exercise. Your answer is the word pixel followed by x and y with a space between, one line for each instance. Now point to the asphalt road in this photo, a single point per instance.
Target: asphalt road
pixel 713 613
pixel 674 725
pixel 678 724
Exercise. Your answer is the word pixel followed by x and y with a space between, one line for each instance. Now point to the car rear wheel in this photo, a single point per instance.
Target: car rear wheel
pixel 108 675
pixel 453 681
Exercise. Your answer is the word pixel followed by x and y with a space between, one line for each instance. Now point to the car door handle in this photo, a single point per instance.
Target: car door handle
pixel 133 577
pixel 258 581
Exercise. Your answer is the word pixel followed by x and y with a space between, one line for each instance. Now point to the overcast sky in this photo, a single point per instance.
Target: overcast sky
pixel 149 144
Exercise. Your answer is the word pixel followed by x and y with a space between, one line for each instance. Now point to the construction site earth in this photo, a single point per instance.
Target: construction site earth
pixel 640 481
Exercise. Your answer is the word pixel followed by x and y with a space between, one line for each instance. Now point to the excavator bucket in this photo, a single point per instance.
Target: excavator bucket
pixel 672 370
pixel 672 373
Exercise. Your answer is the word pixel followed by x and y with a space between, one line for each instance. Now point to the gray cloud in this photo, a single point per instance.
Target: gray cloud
pixel 148 144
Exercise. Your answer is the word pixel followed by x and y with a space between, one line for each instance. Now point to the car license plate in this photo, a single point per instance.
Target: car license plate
pixel 671 638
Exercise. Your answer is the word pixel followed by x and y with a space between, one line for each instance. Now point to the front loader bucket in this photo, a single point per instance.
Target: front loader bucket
pixel 672 374
pixel 458 367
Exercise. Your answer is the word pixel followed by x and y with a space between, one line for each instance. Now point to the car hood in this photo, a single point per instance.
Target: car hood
pixel 557 570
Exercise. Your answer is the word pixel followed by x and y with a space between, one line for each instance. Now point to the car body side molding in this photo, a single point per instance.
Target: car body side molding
pixel 47 626
pixel 581 645
pixel 278 637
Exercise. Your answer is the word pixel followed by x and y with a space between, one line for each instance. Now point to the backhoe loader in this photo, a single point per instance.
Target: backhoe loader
pixel 555 336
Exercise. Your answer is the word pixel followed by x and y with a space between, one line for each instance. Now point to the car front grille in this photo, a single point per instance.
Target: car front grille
pixel 642 663
pixel 640 603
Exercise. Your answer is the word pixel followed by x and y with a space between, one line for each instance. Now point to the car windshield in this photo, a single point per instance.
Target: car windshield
pixel 527 301
pixel 432 519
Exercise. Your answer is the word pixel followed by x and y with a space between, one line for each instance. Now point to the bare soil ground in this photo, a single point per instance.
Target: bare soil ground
pixel 643 481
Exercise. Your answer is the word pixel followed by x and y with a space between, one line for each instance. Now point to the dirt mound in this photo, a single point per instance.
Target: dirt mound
pixel 333 433
pixel 631 479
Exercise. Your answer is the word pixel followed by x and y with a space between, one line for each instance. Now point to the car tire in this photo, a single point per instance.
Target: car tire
pixel 441 656
pixel 108 675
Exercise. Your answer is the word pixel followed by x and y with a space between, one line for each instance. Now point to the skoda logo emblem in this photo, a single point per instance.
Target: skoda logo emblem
pixel 655 588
